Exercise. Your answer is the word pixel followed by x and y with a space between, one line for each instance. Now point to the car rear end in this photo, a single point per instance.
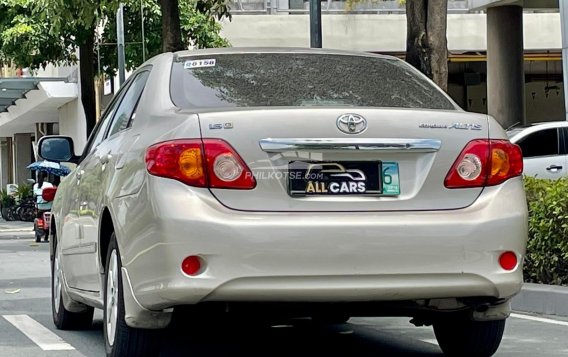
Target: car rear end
pixel 326 178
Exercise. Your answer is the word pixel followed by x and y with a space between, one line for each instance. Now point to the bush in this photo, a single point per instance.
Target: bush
pixel 24 191
pixel 6 200
pixel 546 261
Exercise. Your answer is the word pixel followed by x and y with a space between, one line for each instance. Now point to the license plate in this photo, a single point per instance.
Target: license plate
pixel 343 178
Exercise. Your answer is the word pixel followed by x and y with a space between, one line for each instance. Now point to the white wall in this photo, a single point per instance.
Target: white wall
pixel 380 32
pixel 72 123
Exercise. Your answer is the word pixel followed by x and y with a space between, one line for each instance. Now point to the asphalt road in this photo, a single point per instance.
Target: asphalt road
pixel 25 302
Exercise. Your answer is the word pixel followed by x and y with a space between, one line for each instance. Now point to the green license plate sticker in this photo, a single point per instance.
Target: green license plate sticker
pixel 391 181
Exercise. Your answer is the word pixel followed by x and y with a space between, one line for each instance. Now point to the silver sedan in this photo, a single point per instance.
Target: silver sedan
pixel 295 182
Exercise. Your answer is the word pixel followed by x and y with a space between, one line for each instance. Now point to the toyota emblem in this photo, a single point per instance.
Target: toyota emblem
pixel 351 123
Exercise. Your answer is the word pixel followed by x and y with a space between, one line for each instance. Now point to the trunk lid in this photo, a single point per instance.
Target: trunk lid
pixel 422 144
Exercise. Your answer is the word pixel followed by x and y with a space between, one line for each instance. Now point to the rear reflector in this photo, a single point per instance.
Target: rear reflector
pixel 191 265
pixel 209 163
pixel 508 261
pixel 485 162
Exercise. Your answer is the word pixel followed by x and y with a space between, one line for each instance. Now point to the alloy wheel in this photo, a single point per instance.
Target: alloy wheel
pixel 111 303
pixel 56 283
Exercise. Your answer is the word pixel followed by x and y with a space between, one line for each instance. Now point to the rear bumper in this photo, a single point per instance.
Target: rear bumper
pixel 319 257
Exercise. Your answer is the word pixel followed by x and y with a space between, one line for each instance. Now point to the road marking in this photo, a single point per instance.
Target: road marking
pixel 540 319
pixel 40 335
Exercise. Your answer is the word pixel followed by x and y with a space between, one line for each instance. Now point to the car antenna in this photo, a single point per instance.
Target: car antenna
pixel 512 126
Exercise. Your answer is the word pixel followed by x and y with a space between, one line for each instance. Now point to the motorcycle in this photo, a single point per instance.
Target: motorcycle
pixel 43 222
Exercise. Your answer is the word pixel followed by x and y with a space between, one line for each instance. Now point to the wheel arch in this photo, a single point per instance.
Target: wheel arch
pixel 52 235
pixel 105 233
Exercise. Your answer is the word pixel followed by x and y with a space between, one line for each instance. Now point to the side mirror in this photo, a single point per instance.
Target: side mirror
pixel 57 148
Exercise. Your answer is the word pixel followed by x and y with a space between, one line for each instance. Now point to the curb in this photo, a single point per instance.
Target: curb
pixel 11 230
pixel 542 299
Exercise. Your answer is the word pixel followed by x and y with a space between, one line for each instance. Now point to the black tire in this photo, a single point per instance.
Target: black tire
pixel 10 214
pixel 128 341
pixel 27 213
pixel 331 319
pixel 63 318
pixel 4 212
pixel 14 213
pixel 464 337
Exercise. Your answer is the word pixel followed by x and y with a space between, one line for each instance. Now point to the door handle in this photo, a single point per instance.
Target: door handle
pixel 105 159
pixel 79 174
pixel 554 168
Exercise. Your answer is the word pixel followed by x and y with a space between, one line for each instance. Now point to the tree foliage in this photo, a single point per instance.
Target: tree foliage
pixel 198 29
pixel 27 40
pixel 34 33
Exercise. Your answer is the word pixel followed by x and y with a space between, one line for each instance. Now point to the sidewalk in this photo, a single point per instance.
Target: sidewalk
pixel 15 226
pixel 542 299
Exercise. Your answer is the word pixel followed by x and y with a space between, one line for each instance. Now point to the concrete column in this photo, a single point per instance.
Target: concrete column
pixel 23 156
pixel 505 65
pixel 564 27
pixel 5 162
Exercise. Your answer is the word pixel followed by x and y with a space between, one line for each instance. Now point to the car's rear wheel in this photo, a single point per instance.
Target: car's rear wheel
pixel 331 318
pixel 121 339
pixel 464 337
pixel 63 318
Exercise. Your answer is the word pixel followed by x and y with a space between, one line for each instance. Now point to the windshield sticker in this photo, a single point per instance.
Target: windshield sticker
pixel 199 63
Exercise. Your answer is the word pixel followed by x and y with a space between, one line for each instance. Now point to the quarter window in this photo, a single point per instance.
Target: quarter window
pixel 98 133
pixel 541 143
pixel 128 104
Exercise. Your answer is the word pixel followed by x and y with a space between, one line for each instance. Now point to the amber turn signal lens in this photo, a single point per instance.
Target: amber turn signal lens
pixel 499 163
pixel 191 164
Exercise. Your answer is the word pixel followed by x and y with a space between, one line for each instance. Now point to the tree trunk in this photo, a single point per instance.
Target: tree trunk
pixel 171 28
pixel 436 30
pixel 426 43
pixel 87 74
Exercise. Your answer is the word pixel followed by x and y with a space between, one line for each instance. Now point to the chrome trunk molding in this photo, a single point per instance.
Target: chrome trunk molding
pixel 347 144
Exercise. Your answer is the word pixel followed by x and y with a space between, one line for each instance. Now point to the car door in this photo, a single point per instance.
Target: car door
pixel 77 250
pixel 99 174
pixel 544 153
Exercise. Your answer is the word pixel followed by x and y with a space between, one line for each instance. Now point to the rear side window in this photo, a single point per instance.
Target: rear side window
pixel 540 143
pixel 300 79
pixel 128 104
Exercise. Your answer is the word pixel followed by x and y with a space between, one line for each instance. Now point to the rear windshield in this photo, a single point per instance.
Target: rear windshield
pixel 299 79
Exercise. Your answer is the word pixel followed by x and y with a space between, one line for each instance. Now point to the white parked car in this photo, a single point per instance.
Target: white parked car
pixel 544 147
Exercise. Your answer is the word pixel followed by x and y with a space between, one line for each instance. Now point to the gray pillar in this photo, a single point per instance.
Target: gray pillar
pixel 23 156
pixel 5 159
pixel 564 27
pixel 505 65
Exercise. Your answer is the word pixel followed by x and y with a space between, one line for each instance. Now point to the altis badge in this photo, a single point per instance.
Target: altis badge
pixel 457 126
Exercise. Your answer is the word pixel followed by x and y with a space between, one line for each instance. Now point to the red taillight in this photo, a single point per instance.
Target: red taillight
pixel 485 162
pixel 180 160
pixel 39 223
pixel 48 193
pixel 203 163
